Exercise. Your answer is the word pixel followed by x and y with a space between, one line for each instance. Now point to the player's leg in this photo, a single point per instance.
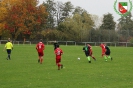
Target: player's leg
pixel 8 52
pixel 111 58
pixel 92 56
pixel 89 58
pixel 103 53
pixel 59 64
pixel 38 57
pixel 108 55
pixel 41 57
pixel 38 60
pixel 105 57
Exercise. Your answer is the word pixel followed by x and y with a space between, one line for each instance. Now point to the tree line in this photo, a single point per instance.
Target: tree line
pixel 27 19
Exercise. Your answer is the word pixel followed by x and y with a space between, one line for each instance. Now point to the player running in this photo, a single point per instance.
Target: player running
pixel 40 48
pixel 91 52
pixel 9 48
pixel 88 52
pixel 107 53
pixel 103 51
pixel 58 52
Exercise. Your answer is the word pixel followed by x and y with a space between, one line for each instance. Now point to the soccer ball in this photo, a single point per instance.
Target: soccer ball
pixel 78 58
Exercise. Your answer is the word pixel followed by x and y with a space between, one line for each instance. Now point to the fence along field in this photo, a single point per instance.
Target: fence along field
pixel 124 44
pixel 23 71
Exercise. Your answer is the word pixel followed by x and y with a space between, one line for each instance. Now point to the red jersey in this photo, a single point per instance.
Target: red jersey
pixel 40 47
pixel 58 53
pixel 103 48
pixel 90 48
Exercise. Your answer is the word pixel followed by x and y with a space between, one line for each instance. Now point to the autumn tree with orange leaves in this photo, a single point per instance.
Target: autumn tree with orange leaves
pixel 3 14
pixel 25 18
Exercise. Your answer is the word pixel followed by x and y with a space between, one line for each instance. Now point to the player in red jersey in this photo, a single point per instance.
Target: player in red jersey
pixel 91 52
pixel 103 51
pixel 58 52
pixel 40 47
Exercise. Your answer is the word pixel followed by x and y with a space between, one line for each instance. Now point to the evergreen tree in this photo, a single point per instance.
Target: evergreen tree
pixel 125 22
pixel 108 22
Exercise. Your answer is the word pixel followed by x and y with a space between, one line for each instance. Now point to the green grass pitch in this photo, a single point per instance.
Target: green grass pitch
pixel 23 70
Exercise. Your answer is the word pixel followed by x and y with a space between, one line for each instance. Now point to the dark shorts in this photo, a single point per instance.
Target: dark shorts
pixel 40 53
pixel 87 54
pixel 107 53
pixel 8 51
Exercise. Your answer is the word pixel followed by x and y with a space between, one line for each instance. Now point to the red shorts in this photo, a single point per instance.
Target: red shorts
pixel 58 60
pixel 40 53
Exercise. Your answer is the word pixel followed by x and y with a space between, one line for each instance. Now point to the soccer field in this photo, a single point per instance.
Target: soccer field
pixel 23 70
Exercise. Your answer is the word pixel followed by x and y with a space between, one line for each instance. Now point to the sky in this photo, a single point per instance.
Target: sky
pixel 97 7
